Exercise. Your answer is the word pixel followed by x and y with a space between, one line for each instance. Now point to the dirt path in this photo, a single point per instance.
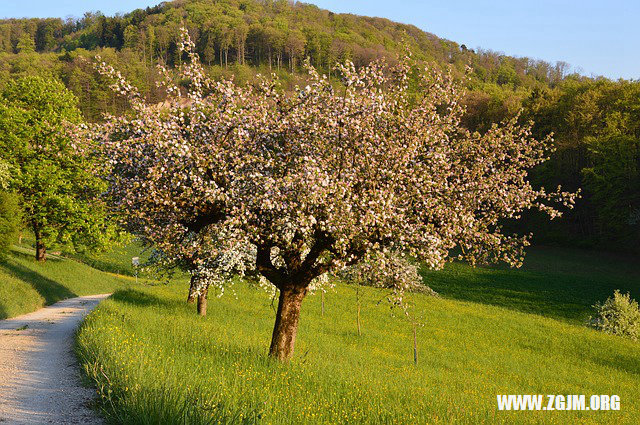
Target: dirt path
pixel 39 376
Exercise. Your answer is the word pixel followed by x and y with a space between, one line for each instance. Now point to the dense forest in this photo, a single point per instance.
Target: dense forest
pixel 595 121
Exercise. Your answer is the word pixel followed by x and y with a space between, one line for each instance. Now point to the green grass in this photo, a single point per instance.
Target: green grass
pixel 554 282
pixel 154 361
pixel 26 285
pixel 116 260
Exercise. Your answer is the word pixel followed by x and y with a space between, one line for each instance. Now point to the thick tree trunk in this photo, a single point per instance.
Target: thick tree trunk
pixel 202 302
pixel 286 326
pixel 41 249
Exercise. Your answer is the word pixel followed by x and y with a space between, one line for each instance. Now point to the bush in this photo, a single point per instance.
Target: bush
pixel 9 221
pixel 619 315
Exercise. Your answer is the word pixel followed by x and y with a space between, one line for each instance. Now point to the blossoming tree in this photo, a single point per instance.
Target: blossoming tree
pixel 321 178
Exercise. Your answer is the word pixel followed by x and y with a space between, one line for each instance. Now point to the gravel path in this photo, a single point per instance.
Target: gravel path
pixel 39 376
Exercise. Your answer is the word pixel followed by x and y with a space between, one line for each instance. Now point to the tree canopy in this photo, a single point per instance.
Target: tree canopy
pixel 319 178
pixel 58 194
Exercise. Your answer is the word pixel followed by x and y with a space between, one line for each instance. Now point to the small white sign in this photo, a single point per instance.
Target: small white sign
pixel 135 261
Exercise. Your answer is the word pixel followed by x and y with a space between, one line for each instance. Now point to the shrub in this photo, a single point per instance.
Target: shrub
pixel 9 221
pixel 618 315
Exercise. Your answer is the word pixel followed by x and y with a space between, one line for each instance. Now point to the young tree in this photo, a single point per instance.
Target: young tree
pixel 59 196
pixel 321 178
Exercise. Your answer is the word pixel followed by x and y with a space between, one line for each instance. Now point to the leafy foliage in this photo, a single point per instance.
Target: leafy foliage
pixel 618 315
pixel 10 221
pixel 597 135
pixel 278 34
pixel 59 196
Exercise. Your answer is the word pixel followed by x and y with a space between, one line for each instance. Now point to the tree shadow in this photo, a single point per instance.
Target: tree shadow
pixel 560 283
pixel 50 290
pixel 556 294
pixel 624 362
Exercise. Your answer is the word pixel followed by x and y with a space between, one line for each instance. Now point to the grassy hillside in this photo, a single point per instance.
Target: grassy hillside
pixel 555 282
pixel 26 285
pixel 155 361
pixel 116 260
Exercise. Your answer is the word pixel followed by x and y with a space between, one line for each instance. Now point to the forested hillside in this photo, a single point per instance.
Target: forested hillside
pixel 238 36
pixel 595 121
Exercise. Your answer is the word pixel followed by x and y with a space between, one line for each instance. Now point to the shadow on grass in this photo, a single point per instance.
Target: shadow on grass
pixel 623 362
pixel 561 296
pixel 561 283
pixel 49 289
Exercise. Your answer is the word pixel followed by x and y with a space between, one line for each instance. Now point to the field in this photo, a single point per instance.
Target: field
pixel 26 285
pixel 493 331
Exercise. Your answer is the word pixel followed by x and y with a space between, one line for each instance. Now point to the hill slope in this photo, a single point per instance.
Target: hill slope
pixel 26 285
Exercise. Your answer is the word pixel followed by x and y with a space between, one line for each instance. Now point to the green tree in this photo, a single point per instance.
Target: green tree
pixel 9 221
pixel 131 36
pixel 59 195
pixel 9 211
pixel 614 184
pixel 26 44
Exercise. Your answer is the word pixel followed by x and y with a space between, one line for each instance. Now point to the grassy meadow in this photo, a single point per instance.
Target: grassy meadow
pixel 493 331
pixel 116 260
pixel 26 285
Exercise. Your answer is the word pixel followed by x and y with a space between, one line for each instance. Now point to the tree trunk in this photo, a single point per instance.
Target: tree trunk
pixel 41 249
pixel 191 298
pixel 286 326
pixel 202 302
